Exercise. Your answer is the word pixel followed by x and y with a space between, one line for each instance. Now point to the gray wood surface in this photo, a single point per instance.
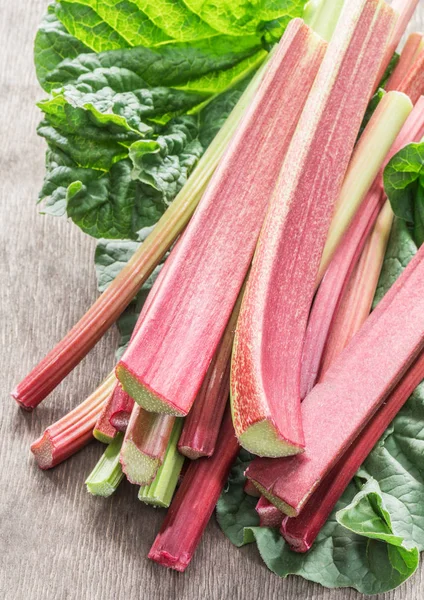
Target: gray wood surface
pixel 57 542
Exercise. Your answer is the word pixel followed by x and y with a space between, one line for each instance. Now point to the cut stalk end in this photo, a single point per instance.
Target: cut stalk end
pixel 263 439
pixel 139 468
pixel 21 403
pixel 107 474
pixel 43 451
pixel 277 502
pixel 144 396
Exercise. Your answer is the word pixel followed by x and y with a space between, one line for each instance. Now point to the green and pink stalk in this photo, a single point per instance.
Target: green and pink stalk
pixel 265 375
pixel 73 431
pixel 194 502
pixel 165 365
pixel 352 390
pixel 104 312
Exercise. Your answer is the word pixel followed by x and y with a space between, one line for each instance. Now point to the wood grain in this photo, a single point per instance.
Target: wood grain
pixel 58 542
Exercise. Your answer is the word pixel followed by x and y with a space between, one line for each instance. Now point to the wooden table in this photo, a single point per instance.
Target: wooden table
pixel 57 542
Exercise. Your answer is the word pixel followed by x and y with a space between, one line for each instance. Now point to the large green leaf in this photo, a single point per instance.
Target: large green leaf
pixel 53 44
pixel 404 186
pixel 119 201
pixel 241 17
pixel 360 546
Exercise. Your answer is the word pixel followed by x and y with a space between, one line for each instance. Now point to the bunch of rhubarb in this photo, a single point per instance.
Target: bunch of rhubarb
pixel 247 307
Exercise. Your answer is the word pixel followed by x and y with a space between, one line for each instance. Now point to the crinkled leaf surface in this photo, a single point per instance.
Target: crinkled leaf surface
pixel 404 186
pixel 128 124
pixel 112 196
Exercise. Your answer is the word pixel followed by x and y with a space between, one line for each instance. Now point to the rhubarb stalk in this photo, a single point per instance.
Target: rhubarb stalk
pixel 122 405
pixel 370 153
pixel 201 426
pixel 112 302
pixel 107 474
pixel 194 502
pixel 271 327
pixel 103 430
pixel 145 443
pixel 162 488
pixel 251 490
pixel 167 361
pixel 356 302
pixel 404 9
pixel 301 531
pixel 346 256
pixel 322 16
pixel 413 46
pixel 73 431
pixel 351 391
pixel 413 82
pixel 269 515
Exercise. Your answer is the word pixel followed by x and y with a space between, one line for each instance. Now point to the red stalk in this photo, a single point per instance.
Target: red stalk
pixel 413 46
pixel 73 431
pixel 346 256
pixel 265 377
pixel 413 83
pixel 107 308
pixel 145 443
pixel 202 425
pixel 251 490
pixel 194 502
pixel 351 392
pixel 405 10
pixel 167 362
pixel 104 431
pixel 300 532
pixel 269 515
pixel 114 416
pixel 122 405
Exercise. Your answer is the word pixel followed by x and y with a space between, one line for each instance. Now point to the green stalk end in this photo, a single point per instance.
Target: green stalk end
pixel 161 490
pixel 107 474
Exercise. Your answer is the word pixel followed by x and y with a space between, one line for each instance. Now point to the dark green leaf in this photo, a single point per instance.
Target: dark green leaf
pixel 402 178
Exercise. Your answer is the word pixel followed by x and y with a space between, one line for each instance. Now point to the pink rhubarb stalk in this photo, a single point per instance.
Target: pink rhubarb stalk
pixel 73 431
pixel 356 302
pixel 104 431
pixel 201 426
pixel 114 416
pixel 165 365
pixel 404 9
pixel 346 256
pixel 413 82
pixel 194 502
pixel 145 443
pixel 300 532
pixel 413 46
pixel 251 490
pixel 121 409
pixel 107 308
pixel 350 393
pixel 269 515
pixel 265 376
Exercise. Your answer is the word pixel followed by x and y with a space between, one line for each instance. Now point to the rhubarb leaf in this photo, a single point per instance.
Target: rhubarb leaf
pixel 403 183
pixel 142 179
pixel 401 248
pixel 53 43
pixel 371 561
pixel 235 510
